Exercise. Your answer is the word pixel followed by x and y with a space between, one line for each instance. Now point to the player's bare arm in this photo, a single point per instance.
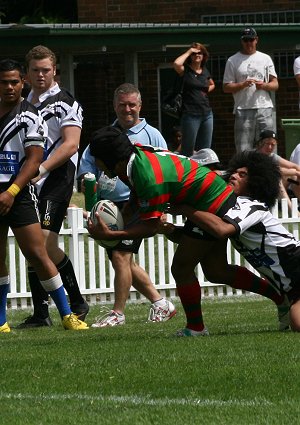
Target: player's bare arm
pixel 209 222
pixel 71 139
pixel 143 229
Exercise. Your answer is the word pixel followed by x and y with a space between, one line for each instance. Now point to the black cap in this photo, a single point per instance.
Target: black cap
pixel 111 145
pixel 267 134
pixel 248 33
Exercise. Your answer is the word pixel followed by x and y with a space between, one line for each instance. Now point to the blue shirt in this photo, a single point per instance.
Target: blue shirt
pixel 114 189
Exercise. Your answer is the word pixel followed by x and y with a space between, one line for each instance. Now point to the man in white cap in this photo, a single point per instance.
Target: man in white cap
pixel 297 74
pixel 250 76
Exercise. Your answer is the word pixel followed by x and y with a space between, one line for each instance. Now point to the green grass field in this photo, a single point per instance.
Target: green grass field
pixel 245 373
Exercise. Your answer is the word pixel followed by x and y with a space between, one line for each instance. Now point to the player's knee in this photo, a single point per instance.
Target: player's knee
pixel 35 255
pixel 295 316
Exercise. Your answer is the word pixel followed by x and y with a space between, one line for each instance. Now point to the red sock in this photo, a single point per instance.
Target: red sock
pixel 190 296
pixel 248 281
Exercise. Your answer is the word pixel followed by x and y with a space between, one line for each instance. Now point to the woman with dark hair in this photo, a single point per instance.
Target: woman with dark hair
pixel 197 117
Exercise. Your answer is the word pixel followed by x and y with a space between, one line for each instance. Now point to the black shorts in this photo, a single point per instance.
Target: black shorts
pixel 52 214
pixel 24 210
pixel 192 230
pixel 131 245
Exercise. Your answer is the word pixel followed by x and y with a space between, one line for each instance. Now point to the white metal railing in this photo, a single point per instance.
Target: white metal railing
pixel 95 273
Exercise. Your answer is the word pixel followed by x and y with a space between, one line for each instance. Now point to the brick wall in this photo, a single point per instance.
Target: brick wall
pixel 97 77
pixel 146 11
pixel 96 80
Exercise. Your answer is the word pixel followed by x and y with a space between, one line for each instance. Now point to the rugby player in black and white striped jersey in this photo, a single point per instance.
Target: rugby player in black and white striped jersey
pixel 55 180
pixel 22 136
pixel 254 231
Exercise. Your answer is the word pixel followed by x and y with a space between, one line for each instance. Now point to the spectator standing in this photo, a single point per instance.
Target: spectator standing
pixel 55 180
pixel 197 116
pixel 127 104
pixel 250 77
pixel 297 74
pixel 22 140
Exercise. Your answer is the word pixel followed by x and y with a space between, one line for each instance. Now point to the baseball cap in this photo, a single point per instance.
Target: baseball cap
pixel 248 33
pixel 206 157
pixel 266 134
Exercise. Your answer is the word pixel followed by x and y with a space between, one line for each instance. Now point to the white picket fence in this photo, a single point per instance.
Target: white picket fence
pixel 95 274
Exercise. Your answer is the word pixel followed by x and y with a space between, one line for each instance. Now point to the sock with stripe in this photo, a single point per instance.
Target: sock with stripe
pixel 66 270
pixel 39 295
pixel 4 290
pixel 56 291
pixel 190 297
pixel 248 281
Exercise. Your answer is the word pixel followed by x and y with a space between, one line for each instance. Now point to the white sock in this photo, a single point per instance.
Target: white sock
pixel 160 303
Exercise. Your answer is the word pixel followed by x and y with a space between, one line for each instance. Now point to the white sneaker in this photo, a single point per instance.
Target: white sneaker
pixel 190 332
pixel 109 318
pixel 161 313
pixel 284 314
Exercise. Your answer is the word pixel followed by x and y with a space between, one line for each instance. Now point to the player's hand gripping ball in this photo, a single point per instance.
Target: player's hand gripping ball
pixel 111 215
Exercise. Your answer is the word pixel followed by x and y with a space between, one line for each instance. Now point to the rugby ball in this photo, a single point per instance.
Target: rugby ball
pixel 111 215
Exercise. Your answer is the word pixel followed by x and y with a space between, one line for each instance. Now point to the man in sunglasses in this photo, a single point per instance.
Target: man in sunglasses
pixel 250 76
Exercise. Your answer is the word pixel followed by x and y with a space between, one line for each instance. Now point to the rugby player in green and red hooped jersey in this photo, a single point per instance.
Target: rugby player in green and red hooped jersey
pixel 157 178
pixel 167 178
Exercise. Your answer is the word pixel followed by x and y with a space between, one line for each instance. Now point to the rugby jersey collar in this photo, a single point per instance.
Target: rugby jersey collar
pixel 129 168
pixel 136 128
pixel 50 92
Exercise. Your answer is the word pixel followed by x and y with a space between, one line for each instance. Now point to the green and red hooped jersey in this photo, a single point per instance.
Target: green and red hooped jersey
pixel 160 177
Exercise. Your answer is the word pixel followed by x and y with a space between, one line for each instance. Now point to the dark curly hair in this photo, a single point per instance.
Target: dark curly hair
pixel 263 175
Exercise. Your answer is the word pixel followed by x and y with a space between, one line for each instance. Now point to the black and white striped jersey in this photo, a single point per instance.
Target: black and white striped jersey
pixel 59 109
pixel 265 243
pixel 22 127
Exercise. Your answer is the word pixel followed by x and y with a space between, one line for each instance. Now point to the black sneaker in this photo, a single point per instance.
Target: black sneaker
pixel 34 322
pixel 81 310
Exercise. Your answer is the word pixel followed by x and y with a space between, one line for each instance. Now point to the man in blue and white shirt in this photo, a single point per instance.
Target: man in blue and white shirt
pixel 127 105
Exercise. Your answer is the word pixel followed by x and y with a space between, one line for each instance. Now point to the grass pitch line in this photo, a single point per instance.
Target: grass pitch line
pixel 137 400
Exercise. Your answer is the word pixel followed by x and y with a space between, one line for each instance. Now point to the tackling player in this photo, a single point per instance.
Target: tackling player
pixel 254 232
pixel 157 178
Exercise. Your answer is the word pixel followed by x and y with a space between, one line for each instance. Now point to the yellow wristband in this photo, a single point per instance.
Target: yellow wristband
pixel 13 189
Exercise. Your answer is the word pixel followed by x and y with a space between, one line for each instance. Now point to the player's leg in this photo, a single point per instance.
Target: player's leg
pixel 241 278
pixel 31 242
pixel 295 315
pixel 65 267
pixel 122 282
pixel 161 309
pixel 52 215
pixel 188 254
pixel 4 279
